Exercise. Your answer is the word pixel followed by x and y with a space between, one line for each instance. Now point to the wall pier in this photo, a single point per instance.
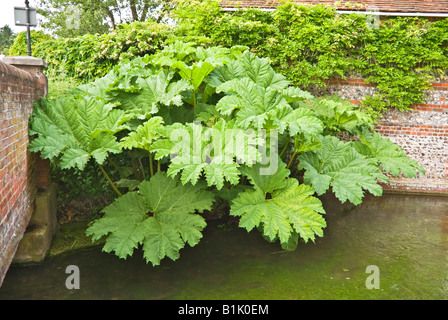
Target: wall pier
pixel 23 176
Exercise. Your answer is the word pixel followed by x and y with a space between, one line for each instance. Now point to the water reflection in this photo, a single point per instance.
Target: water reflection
pixel 406 237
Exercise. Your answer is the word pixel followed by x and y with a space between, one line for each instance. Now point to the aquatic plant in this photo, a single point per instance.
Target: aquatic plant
pixel 202 125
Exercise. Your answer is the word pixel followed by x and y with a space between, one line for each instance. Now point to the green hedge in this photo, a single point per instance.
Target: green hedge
pixel 91 56
pixel 20 45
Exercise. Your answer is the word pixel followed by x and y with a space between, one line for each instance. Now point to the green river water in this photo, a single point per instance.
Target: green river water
pixel 404 236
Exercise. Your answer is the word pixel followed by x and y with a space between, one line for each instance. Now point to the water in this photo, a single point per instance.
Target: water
pixel 406 237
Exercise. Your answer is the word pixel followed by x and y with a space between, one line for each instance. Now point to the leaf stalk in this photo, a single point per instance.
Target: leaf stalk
pixel 110 180
pixel 290 160
pixel 151 167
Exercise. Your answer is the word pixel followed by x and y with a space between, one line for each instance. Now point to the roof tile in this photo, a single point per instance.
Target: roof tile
pixel 414 6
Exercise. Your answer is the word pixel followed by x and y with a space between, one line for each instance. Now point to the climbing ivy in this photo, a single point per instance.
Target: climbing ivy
pixel 404 56
pixel 311 44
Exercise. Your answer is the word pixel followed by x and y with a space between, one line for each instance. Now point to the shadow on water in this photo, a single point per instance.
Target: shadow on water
pixel 405 236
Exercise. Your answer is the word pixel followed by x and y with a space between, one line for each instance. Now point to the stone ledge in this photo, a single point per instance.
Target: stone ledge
pixel 34 245
pixel 25 61
pixel 434 187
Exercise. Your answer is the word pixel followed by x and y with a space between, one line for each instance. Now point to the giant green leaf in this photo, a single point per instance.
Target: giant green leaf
pixel 196 73
pixel 338 165
pixel 154 91
pixel 76 129
pixel 298 121
pixel 214 152
pixel 192 64
pixel 249 66
pixel 340 115
pixel 161 216
pixel 267 183
pixel 144 135
pixel 253 104
pixel 283 213
pixel 261 72
pixel 293 94
pixel 387 154
pixel 176 51
pixel 121 78
pixel 232 70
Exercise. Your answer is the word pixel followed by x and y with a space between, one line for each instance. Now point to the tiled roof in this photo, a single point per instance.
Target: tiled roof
pixel 413 6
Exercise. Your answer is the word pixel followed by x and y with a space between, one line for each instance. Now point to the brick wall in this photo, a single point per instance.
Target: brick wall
pixel 18 173
pixel 421 132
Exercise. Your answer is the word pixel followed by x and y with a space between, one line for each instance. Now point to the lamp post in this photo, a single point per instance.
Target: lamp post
pixel 28 32
pixel 26 17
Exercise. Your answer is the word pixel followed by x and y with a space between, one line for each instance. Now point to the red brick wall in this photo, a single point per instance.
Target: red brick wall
pixel 18 179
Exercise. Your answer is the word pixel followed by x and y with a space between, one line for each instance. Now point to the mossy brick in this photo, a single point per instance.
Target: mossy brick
pixel 21 82
pixel 35 244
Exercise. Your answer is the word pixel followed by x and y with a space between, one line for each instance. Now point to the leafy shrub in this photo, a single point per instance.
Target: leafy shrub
pixel 202 125
pixel 20 45
pixel 90 56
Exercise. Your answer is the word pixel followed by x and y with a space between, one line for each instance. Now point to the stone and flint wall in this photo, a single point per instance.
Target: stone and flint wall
pixel 22 174
pixel 421 132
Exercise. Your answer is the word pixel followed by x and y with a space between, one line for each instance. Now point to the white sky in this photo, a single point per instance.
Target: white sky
pixel 7 13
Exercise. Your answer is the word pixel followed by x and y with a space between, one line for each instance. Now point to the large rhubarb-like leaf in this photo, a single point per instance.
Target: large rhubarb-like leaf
pixel 215 152
pixel 298 121
pixel 267 183
pixel 338 165
pixel 249 65
pixel 293 94
pixel 120 79
pixel 192 64
pixel 160 216
pixel 150 93
pixel 196 73
pixel 144 135
pixel 76 129
pixel 387 154
pixel 254 105
pixel 281 207
pixel 340 115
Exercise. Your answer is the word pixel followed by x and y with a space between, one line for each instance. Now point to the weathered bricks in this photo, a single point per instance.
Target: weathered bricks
pixel 18 179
